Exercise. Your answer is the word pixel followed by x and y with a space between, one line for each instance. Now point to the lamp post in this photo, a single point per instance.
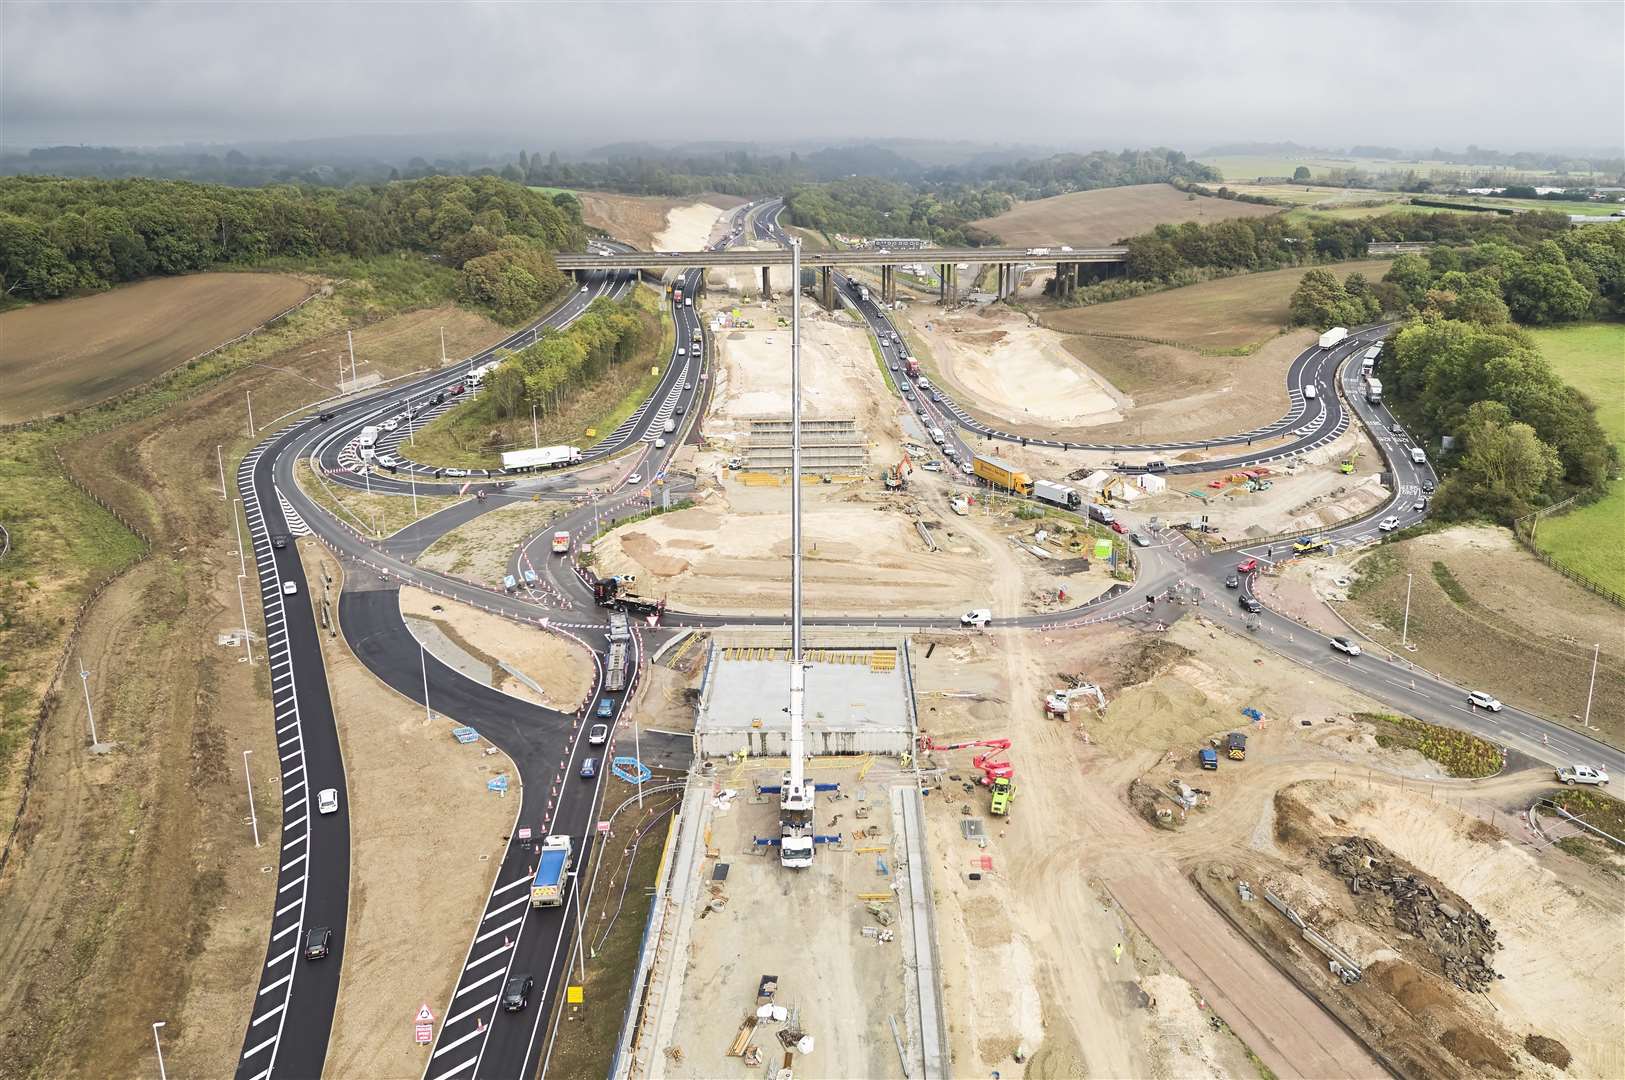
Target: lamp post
pixel 84 679
pixel 220 460
pixel 250 396
pixel 242 605
pixel 162 1075
pixel 1596 652
pixel 1404 634
pixel 253 818
pixel 423 659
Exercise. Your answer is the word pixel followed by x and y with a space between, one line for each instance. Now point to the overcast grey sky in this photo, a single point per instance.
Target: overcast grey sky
pixel 1503 75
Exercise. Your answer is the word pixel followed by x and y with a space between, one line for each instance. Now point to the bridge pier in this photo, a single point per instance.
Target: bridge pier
pixel 767 283
pixel 948 291
pixel 888 284
pixel 826 288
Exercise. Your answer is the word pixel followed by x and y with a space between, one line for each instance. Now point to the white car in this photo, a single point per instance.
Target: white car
pixel 1389 524
pixel 660 444
pixel 327 801
pixel 456 472
pixel 1581 774
pixel 583 288
pixel 931 466
pixel 978 617
pixel 1346 645
pixel 597 735
pixel 391 424
pixel 967 469
pixel 635 478
pixel 290 588
pixel 1479 699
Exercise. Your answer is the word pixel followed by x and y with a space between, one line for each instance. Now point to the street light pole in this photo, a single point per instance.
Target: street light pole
pixel 1404 634
pixel 162 1075
pixel 535 439
pixel 1596 653
pixel 581 947
pixel 423 658
pixel 220 459
pixel 350 337
pixel 248 779
pixel 84 679
pixel 236 523
pixel 250 396
pixel 442 346
pixel 242 604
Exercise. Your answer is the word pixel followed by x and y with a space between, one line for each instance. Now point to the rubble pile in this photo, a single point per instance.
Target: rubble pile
pixel 1459 938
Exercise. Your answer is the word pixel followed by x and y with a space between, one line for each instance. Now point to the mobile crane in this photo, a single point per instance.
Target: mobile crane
pixel 998 775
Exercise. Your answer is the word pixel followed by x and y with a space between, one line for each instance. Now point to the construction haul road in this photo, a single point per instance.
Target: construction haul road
pixel 474 1037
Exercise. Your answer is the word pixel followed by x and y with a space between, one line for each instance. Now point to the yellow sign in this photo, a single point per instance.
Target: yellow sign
pixel 592 433
pixel 573 995
pixel 655 370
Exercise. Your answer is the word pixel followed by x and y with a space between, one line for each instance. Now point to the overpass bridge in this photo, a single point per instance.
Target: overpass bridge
pixel 1068 263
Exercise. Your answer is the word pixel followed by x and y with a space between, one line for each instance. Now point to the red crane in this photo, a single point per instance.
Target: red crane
pixel 992 763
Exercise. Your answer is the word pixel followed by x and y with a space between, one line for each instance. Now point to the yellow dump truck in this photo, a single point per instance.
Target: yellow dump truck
pixel 1001 474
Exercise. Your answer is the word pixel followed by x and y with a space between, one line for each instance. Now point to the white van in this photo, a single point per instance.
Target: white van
pixel 1309 392
pixel 1418 457
pixel 670 426
pixel 682 350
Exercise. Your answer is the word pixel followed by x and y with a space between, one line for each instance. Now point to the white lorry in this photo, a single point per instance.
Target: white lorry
pixel 367 444
pixel 1333 336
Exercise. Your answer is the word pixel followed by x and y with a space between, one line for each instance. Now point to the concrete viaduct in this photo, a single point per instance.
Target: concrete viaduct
pixel 1072 265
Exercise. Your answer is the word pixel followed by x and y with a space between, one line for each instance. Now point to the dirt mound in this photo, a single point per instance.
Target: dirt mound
pixel 1477 1051
pixel 1548 1050
pixel 1390 892
pixel 646 551
pixel 1409 986
pixel 1154 657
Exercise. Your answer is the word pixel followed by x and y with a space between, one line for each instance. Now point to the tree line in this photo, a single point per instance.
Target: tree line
pixel 62 236
pixel 1169 253
pixel 543 374
pixel 1463 367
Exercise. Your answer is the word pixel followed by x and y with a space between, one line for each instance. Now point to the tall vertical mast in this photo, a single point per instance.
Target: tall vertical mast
pixel 797 781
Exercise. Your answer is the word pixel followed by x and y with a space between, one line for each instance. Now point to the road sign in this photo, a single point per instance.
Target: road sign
pixel 603 826
pixel 524 833
pixel 424 1015
pixel 425 1034
pixel 573 995
pixel 497 783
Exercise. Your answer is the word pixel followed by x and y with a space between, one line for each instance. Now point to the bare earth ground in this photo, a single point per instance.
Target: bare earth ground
pixel 1036 381
pixel 639 220
pixel 105 888
pixel 997 359
pixel 425 837
pixel 562 668
pixel 1523 632
pixel 1240 312
pixel 1558 923
pixel 1104 217
pixel 71 353
pixel 479 550
pixel 1070 837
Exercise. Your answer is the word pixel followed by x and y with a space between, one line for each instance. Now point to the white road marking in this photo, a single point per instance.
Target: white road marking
pixel 497 974
pixel 470 1011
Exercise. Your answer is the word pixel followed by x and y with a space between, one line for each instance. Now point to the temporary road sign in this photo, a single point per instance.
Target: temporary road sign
pixel 603 826
pixel 425 1034
pixel 524 832
pixel 424 1015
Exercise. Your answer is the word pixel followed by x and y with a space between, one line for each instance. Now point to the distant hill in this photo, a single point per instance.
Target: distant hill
pixel 1102 217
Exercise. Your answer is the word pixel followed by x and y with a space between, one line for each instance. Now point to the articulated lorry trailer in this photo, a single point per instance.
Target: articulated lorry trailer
pixel 552 866
pixel 1001 474
pixel 1373 390
pixel 541 457
pixel 1057 494
pixel 1332 337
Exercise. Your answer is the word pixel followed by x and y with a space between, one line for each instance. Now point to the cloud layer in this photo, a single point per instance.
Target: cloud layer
pixel 1511 76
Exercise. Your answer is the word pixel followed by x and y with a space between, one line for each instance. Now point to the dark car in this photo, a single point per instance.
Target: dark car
pixel 516 994
pixel 589 768
pixel 1250 603
pixel 318 942
pixel 1232 582
pixel 325 417
pixel 606 708
pixel 1395 429
pixel 1427 486
pixel 458 389
pixel 279 541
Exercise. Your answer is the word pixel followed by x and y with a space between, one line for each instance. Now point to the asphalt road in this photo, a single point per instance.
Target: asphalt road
pixel 545 746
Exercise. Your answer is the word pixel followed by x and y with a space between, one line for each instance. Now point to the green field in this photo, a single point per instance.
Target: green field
pixel 551 191
pixel 1249 167
pixel 1592 357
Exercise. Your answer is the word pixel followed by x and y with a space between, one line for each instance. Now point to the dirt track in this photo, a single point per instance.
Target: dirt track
pixel 72 353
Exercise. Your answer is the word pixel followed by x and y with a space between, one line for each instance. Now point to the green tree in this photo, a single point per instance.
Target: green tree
pixel 1504 468
pixel 1544 289
pixel 1301 173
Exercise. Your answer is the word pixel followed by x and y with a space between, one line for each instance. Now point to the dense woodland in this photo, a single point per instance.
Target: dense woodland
pixel 59 237
pixel 1462 366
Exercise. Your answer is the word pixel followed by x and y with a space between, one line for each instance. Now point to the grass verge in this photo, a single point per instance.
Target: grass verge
pixel 880 362
pixel 613 927
pixel 374 515
pixel 1461 754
